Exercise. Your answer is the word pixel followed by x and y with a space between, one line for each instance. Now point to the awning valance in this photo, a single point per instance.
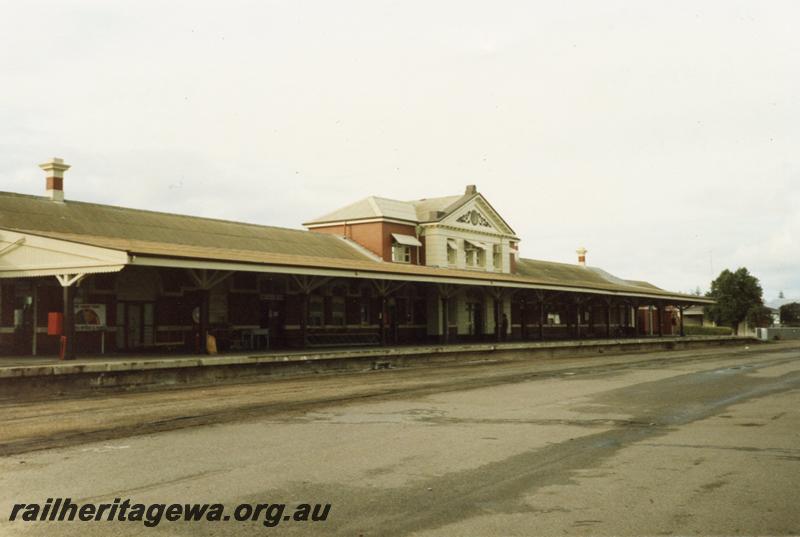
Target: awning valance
pixel 476 244
pixel 405 240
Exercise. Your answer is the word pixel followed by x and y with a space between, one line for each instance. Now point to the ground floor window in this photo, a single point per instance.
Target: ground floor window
pixel 337 310
pixel 363 311
pixel 315 311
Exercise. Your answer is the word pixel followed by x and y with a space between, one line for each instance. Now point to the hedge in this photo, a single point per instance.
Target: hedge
pixel 707 330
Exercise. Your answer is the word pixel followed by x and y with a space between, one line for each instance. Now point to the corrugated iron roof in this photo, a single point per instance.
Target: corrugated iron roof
pixel 149 233
pixel 38 214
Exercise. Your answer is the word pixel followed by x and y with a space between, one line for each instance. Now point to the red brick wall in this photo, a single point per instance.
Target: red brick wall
pixel 666 322
pixel 374 236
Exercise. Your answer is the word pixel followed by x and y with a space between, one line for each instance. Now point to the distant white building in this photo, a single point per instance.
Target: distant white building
pixel 775 306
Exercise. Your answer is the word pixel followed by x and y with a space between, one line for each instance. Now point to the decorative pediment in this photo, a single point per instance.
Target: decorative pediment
pixel 475 218
pixel 477 215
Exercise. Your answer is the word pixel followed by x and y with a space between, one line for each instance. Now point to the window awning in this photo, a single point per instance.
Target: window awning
pixel 451 243
pixel 406 240
pixel 477 244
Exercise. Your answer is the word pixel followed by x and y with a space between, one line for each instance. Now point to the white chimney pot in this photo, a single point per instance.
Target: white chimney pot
pixel 55 168
pixel 581 256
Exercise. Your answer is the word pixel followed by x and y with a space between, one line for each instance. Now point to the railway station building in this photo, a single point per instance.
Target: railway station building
pixel 83 278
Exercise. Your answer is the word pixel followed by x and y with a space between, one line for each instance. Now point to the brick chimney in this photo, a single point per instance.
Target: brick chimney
pixel 55 168
pixel 471 189
pixel 581 256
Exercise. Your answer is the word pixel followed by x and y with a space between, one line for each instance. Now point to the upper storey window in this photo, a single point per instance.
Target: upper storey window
pixel 497 256
pixel 401 253
pixel 401 247
pixel 452 251
pixel 471 254
pixel 475 254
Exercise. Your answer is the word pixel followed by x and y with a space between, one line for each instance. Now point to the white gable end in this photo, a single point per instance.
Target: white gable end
pixel 472 237
pixel 477 216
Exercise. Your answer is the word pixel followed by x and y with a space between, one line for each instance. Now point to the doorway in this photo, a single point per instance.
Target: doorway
pixel 135 325
pixel 271 317
pixel 475 319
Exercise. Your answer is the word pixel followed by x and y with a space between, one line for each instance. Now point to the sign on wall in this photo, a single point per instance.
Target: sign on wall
pixel 90 317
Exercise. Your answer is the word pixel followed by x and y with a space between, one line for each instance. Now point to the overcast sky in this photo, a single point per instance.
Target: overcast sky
pixel 662 136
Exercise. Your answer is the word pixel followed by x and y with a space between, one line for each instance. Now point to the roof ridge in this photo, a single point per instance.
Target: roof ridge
pixel 434 198
pixel 387 199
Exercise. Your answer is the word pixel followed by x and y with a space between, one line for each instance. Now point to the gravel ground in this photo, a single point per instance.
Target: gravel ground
pixel 693 442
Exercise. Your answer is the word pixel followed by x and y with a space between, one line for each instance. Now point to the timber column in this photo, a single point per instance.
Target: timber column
pixel 383 320
pixel 541 319
pixel 68 283
pixel 205 280
pixel 498 320
pixel 69 322
pixel 445 293
pixel 445 320
pixel 304 307
pixel 204 319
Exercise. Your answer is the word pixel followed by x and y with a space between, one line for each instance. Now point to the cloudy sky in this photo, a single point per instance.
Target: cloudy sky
pixel 663 136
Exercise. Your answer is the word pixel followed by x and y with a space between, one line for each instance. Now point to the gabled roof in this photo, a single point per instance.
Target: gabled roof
pixel 416 211
pixel 438 209
pixel 423 210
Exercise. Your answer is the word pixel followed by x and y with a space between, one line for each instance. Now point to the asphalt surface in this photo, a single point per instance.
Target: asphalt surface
pixel 692 442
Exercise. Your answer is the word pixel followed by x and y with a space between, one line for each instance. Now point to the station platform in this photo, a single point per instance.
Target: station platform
pixel 108 370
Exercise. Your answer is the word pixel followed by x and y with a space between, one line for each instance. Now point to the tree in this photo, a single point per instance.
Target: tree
pixel 780 295
pixel 790 314
pixel 736 293
pixel 759 316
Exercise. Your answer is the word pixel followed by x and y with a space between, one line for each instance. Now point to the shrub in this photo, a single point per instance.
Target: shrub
pixel 707 330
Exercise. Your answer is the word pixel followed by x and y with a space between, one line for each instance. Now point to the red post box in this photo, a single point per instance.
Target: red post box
pixel 55 323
